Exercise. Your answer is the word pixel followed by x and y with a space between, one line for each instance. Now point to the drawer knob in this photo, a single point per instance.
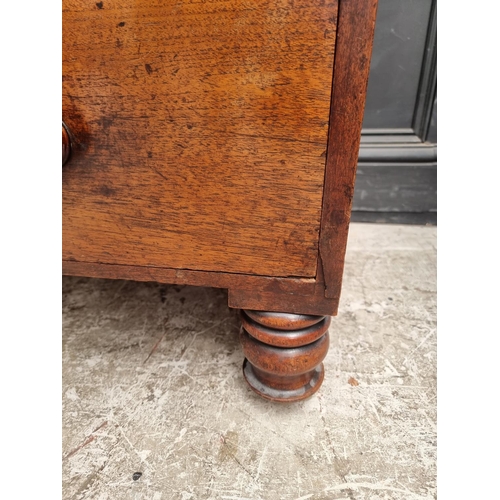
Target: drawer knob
pixel 66 144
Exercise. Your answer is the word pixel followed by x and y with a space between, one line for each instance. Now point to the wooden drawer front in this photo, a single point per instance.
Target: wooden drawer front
pixel 199 132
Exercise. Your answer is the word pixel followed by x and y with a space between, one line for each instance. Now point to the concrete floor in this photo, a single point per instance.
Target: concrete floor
pixel 152 383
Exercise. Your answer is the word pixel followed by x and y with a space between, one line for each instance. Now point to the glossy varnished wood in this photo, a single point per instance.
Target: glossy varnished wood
pixel 284 329
pixel 284 353
pixel 199 133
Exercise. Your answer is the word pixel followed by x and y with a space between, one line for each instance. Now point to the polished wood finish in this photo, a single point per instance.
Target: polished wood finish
pixel 284 353
pixel 201 133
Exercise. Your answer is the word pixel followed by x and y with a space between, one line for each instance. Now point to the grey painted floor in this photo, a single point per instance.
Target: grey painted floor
pixel 152 383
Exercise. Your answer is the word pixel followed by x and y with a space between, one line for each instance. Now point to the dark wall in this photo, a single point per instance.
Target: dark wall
pixel 396 180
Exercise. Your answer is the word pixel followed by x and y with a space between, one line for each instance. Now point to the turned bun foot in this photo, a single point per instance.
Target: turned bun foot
pixel 284 353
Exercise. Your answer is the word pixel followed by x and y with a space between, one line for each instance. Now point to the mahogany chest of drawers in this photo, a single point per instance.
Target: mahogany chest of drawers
pixel 214 143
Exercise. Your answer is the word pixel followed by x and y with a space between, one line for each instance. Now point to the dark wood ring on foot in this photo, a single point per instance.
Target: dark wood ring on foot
pixel 284 353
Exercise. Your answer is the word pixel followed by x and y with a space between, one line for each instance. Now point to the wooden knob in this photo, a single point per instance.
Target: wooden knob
pixel 66 144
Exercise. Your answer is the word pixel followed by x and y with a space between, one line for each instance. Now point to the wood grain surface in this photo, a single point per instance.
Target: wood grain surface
pixel 352 65
pixel 296 302
pixel 302 286
pixel 283 365
pixel 199 132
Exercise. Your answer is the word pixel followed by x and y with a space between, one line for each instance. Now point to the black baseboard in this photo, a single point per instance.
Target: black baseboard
pixel 415 218
pixel 399 187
